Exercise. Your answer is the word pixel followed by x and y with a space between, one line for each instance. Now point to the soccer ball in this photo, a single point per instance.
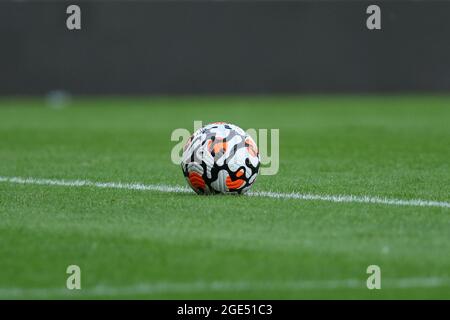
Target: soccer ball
pixel 220 158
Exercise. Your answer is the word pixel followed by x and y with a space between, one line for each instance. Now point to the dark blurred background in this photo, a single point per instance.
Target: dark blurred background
pixel 207 47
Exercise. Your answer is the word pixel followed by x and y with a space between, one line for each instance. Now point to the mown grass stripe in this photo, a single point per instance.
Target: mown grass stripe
pixel 155 288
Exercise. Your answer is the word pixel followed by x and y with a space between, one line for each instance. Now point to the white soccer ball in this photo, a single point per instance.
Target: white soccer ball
pixel 220 158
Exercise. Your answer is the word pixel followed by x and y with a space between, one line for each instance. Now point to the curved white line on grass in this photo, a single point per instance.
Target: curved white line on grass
pixel 266 194
pixel 217 286
pixel 351 198
pixel 87 183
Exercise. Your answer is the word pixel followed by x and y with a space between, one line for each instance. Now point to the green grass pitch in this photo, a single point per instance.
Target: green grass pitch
pixel 143 244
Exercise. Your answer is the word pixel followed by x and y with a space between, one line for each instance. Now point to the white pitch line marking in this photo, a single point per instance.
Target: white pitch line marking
pixel 266 194
pixel 218 286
